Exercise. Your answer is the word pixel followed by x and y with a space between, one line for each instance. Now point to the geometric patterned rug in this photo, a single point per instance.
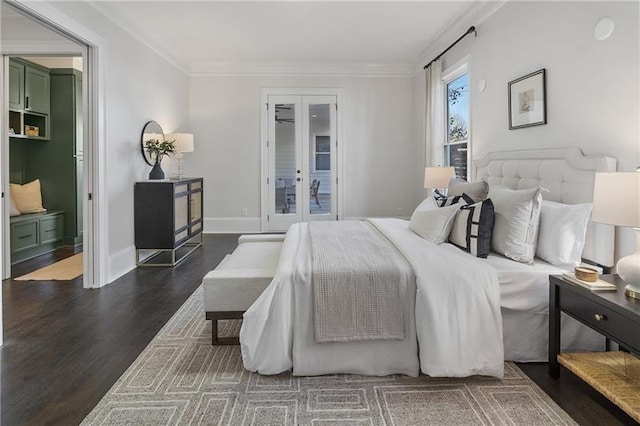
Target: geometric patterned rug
pixel 181 379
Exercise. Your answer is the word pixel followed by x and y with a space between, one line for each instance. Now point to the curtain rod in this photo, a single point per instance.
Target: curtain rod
pixel 471 29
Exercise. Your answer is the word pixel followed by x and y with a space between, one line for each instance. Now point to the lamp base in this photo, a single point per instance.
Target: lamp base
pixel 179 174
pixel 632 292
pixel 629 270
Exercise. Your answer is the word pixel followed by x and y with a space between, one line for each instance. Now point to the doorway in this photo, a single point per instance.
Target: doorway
pixel 302 160
pixel 62 36
pixel 45 109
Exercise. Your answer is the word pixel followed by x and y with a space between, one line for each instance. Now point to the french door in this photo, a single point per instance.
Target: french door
pixel 302 160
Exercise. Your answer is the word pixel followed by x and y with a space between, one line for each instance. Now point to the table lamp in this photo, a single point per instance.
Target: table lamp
pixel 616 201
pixel 183 143
pixel 438 178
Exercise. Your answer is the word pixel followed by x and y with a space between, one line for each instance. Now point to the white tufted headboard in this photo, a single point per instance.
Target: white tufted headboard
pixel 566 173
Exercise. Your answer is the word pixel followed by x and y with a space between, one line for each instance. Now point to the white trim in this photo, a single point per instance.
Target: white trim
pixel 301 69
pixel 40 47
pixel 231 225
pixel 96 225
pixel 119 21
pixel 5 244
pixel 121 262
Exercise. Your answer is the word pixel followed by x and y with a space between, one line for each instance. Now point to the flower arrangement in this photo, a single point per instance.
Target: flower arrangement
pixel 157 149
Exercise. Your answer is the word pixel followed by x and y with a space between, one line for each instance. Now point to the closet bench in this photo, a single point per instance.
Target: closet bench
pixel 238 281
pixel 34 234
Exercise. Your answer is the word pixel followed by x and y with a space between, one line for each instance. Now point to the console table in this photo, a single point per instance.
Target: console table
pixel 168 220
pixel 614 374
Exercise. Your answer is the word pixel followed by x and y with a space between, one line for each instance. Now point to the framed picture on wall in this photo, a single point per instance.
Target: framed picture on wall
pixel 527 101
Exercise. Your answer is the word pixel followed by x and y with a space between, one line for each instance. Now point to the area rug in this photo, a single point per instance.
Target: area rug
pixel 181 379
pixel 63 270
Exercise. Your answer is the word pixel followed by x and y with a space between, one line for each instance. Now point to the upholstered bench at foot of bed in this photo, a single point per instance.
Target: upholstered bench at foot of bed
pixel 241 277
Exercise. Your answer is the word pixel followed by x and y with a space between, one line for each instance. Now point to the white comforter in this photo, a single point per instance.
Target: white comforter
pixel 458 324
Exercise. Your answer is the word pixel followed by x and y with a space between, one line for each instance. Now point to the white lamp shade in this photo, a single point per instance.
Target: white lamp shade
pixel 438 177
pixel 616 199
pixel 183 141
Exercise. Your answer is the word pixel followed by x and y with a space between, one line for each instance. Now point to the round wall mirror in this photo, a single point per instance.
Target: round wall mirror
pixel 151 130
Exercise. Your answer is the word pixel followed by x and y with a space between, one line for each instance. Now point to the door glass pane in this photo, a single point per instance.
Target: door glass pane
pixel 285 159
pixel 320 159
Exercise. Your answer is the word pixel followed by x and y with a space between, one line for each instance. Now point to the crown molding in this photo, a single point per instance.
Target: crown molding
pixel 40 47
pixel 301 69
pixel 120 22
pixel 475 15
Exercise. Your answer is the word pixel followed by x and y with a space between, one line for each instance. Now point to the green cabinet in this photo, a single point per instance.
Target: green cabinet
pixel 35 234
pixel 36 90
pixel 29 100
pixel 16 86
pixel 59 163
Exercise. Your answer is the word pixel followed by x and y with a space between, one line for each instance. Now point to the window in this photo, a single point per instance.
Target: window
pixel 322 153
pixel 457 143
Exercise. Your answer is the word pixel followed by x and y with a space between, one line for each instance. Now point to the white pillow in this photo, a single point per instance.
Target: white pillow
pixel 433 224
pixel 476 190
pixel 429 203
pixel 13 210
pixel 517 216
pixel 562 233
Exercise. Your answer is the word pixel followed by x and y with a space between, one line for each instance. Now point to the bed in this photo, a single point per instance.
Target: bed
pixel 493 309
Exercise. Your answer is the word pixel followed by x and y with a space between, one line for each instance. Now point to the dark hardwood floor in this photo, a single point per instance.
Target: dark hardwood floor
pixel 66 346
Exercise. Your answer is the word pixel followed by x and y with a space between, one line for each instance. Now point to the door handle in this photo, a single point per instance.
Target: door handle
pixel 298 171
pixel 299 179
pixel 26 105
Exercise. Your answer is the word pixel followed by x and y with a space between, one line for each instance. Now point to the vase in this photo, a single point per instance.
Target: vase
pixel 156 173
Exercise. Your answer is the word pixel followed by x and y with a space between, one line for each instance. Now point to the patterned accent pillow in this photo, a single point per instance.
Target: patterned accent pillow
pixel 473 228
pixel 449 201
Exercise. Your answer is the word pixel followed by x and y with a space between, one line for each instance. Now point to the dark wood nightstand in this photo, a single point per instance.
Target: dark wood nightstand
pixel 612 314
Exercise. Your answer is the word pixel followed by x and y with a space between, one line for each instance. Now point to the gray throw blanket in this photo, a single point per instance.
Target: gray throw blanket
pixel 357 276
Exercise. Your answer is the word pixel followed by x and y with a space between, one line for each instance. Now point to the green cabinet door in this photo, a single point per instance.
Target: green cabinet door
pixel 16 86
pixel 37 90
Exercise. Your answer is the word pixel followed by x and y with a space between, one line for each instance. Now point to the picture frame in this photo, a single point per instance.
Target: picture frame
pixel 528 100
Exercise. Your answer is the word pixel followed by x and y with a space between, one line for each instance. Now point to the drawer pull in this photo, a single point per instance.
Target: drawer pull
pixel 600 317
pixel 25 236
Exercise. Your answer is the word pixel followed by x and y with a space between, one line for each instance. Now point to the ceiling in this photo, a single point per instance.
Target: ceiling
pixel 201 33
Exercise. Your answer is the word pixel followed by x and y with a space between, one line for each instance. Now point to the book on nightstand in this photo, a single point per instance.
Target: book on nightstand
pixel 599 285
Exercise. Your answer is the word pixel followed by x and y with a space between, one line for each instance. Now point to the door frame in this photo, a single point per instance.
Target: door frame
pixel 264 150
pixel 95 207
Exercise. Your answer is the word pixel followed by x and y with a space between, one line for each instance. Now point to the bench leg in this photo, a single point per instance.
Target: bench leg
pixel 221 341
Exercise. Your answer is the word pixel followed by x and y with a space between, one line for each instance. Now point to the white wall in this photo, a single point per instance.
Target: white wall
pixel 140 86
pixel 381 155
pixel 592 86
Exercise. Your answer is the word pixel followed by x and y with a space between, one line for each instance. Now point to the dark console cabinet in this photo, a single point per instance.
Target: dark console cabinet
pixel 168 220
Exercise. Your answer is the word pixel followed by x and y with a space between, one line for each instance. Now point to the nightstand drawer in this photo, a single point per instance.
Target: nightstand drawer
pixel 600 318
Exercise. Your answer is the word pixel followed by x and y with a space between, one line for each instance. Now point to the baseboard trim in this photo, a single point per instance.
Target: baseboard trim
pixel 231 225
pixel 121 262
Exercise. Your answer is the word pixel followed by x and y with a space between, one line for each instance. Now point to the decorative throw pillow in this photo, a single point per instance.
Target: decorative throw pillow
pixel 476 190
pixel 433 224
pixel 562 233
pixel 27 197
pixel 13 210
pixel 473 228
pixel 517 216
pixel 427 204
pixel 449 200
